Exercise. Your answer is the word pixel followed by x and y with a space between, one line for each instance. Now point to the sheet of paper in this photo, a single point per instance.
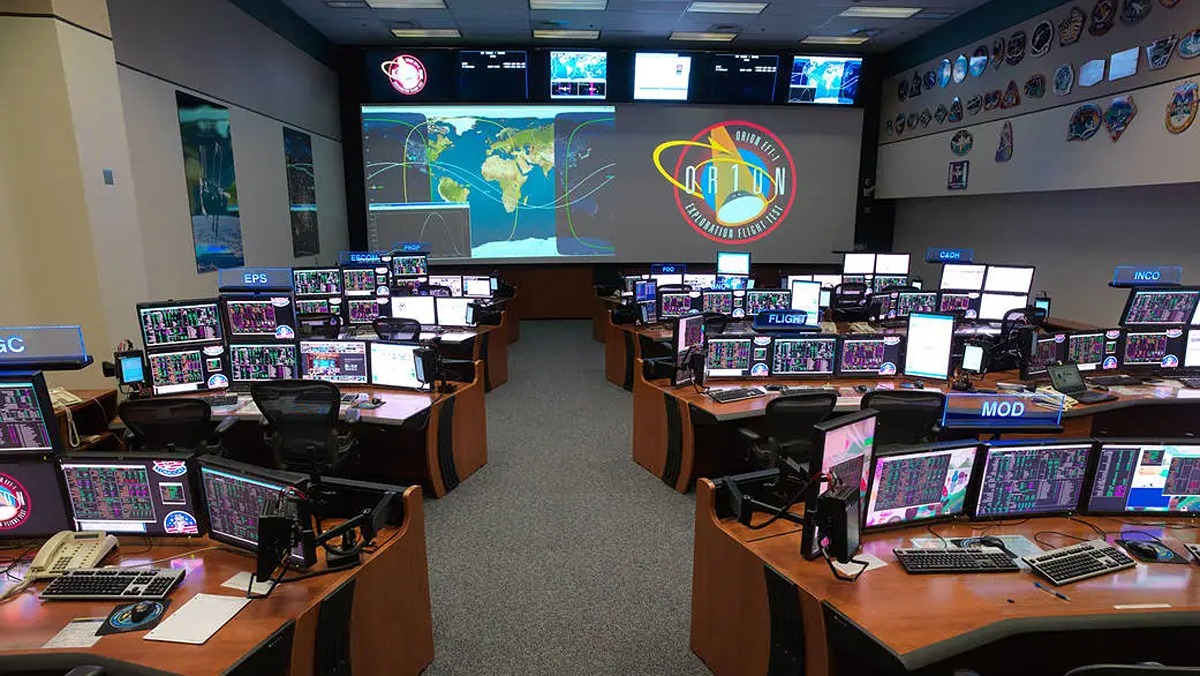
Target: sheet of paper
pixel 197 620
pixel 238 583
pixel 850 569
pixel 79 633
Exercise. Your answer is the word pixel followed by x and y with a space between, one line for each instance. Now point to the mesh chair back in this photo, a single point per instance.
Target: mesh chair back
pixel 397 328
pixel 791 418
pixel 905 416
pixel 180 423
pixel 303 416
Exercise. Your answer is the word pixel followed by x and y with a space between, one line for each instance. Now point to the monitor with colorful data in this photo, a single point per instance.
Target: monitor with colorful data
pixel 1022 479
pixel 1145 477
pixel 920 483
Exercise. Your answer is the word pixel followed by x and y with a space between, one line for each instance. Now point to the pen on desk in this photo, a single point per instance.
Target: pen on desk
pixel 1048 590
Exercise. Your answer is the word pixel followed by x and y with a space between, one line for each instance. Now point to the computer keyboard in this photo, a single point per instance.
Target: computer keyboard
pixel 1190 383
pixel 112 583
pixel 735 394
pixel 1109 381
pixel 1079 562
pixel 1092 397
pixel 961 560
pixel 217 400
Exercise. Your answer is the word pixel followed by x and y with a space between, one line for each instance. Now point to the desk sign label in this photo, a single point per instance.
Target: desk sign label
pixel 30 346
pixel 254 278
pixel 362 258
pixel 937 255
pixel 777 320
pixel 412 247
pixel 1148 275
pixel 996 410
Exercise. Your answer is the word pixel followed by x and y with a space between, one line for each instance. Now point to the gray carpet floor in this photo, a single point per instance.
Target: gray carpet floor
pixel 561 556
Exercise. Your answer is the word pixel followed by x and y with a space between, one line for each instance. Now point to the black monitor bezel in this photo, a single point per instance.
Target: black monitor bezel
pixel 987 273
pixel 950 357
pixel 942 287
pixel 294 344
pixel 816 460
pixel 227 324
pixel 981 464
pixel 260 473
pixel 45 407
pixel 676 368
pixel 50 460
pixel 313 268
pixel 895 451
pixel 1094 465
pixel 366 359
pixel 193 472
pixel 842 338
pixel 1133 292
pixel 174 347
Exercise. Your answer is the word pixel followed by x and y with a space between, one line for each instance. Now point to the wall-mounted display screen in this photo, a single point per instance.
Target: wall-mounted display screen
pixel 661 77
pixel 743 78
pixel 493 75
pixel 824 79
pixel 579 75
pixel 409 74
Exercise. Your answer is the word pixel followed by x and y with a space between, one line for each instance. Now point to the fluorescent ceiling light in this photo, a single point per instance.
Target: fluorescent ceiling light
pixel 407 4
pixel 566 35
pixel 426 33
pixel 834 40
pixel 594 5
pixel 880 12
pixel 727 7
pixel 686 36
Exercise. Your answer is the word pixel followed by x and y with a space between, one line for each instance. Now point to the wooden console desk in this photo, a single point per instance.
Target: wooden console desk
pixel 376 615
pixel 759 608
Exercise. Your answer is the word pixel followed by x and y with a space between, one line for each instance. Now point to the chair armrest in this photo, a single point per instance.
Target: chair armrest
pixel 225 424
pixel 749 435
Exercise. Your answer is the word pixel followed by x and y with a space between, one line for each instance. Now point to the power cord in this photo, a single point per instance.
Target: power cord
pixel 838 574
pixel 1096 529
pixel 1037 537
pixel 945 542
pixel 786 506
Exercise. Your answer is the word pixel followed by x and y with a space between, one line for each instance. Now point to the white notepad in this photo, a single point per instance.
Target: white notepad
pixel 197 620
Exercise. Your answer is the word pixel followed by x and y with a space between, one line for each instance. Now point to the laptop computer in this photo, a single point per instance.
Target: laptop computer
pixel 1066 379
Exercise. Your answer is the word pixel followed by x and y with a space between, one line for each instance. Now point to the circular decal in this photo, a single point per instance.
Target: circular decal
pixel 180 522
pixel 1085 122
pixel 962 142
pixel 1168 3
pixel 931 79
pixel 945 72
pixel 123 619
pixel 217 381
pixel 1014 53
pixel 1042 38
pixel 1109 363
pixel 1181 111
pixel 170 468
pixel 979 61
pixel 285 332
pixel 14 503
pixel 214 350
pixel 961 66
pixel 1189 44
pixel 760 371
pixel 406 74
pixel 956 110
pixel 1170 361
pixel 1035 86
pixel 887 368
pixel 1133 11
pixel 998 47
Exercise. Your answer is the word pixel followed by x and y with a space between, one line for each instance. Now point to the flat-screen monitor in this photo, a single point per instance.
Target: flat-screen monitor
pixel 892 264
pixel 31 499
pixel 1044 351
pixel 252 363
pixel 1022 479
pixel 394 364
pixel 318 306
pixel 578 75
pixel 806 296
pixel 1145 476
pixel 842 449
pixel 189 322
pixel 408 287
pixel 733 263
pixel 700 280
pixel 477 286
pixel 342 362
pixel 452 282
pixel 316 282
pixel 645 289
pixel 824 79
pixel 717 301
pixel 259 316
pixel 881 282
pixel 454 311
pixel 421 308
pixel 661 76
pixel 731 282
pixel 1092 350
pixel 909 302
pixel 234 495
pixel 362 311
pixel 963 276
pixel 131 493
pixel 930 338
pixel 870 355
pixel 993 306
pixel 689 336
pixel 1151 307
pixel 1191 358
pixel 828 281
pixel 803 356
pixel 1008 279
pixel 858 264
pixel 972 359
pixel 188 370
pixel 131 367
pixel 665 278
pixel 1042 304
pixel 362 281
pixel 919 484
pixel 759 300
pixel 787 281
pixel 492 75
pixel 675 303
pixel 27 422
pixel 728 357
pixel 965 302
pixel 743 78
pixel 1154 348
pixel 410 265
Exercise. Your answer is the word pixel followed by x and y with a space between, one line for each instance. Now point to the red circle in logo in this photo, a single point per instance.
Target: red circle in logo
pixel 790 165
pixel 406 74
pixel 14 503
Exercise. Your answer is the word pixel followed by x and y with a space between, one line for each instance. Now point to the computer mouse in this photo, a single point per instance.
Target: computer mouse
pixel 1146 550
pixel 989 541
pixel 774 388
pixel 141 611
pixel 376 401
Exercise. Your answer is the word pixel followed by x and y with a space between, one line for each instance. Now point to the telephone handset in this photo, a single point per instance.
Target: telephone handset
pixel 67 551
pixel 61 397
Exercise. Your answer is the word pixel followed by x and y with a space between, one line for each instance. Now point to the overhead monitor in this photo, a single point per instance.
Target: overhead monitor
pixel 870 355
pixel 410 74
pixel 731 282
pixel 963 276
pixel 360 282
pixel 842 449
pixel 1091 350
pixel 810 355
pixel 395 365
pixel 661 76
pixel 131 493
pixel 363 311
pixel 919 484
pixel 188 370
pixel 728 357
pixel 1159 307
pixel 316 282
pixel 234 496
pixel 858 264
pixel 27 422
pixel 452 282
pixel 930 338
pixel 881 282
pixel 689 338
pixel 477 286
pixel 675 303
pixel 908 302
pixel 578 75
pixel 454 311
pixel 1145 477
pixel 252 363
pixel 1008 279
pixel 265 317
pixel 806 296
pixel 342 362
pixel 410 265
pixel 824 79
pixel 1154 348
pixel 665 278
pixel 892 264
pixel 699 281
pixel 743 78
pixel 421 308
pixel 733 263
pixel 318 306
pixel 31 499
pixel 993 306
pixel 493 75
pixel 720 302
pixel 759 300
pixel 191 322
pixel 1021 479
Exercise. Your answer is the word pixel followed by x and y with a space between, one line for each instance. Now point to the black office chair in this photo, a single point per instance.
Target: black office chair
pixel 302 418
pixel 397 328
pixel 1145 669
pixel 167 424
pixel 789 422
pixel 715 323
pixel 849 302
pixel 323 326
pixel 906 416
pixel 427 289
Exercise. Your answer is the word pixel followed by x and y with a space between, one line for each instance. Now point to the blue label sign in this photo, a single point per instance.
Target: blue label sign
pixel 34 347
pixel 254 278
pixel 938 255
pixel 1148 275
pixel 985 411
pixel 780 320
pixel 412 247
pixel 667 268
pixel 361 258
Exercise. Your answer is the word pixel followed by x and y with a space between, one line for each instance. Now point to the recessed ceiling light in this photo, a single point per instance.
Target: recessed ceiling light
pixel 566 35
pixel 426 33
pixel 345 4
pixel 687 36
pixel 834 40
pixel 880 12
pixel 594 5
pixel 727 7
pixel 407 4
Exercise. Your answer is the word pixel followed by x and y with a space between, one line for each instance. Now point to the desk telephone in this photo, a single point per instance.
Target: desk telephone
pixel 67 551
pixel 61 397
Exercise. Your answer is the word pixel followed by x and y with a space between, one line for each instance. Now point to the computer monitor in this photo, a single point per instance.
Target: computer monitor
pixel 699 281
pixel 148 494
pixel 993 306
pixel 828 281
pixel 410 265
pixel 363 311
pixel 1147 476
pixel 689 337
pixel 963 276
pixel 824 79
pixel 661 76
pixel 363 281
pixel 841 448
pixel 1154 348
pixel 27 422
pixel 645 289
pixel 760 300
pixel 1042 304
pixel 1009 279
pixel 1044 351
pixel 454 311
pixel 234 495
pixel 675 303
pixel 259 316
pixel 908 302
pixel 578 75
pixel 394 364
pixel 717 301
pixel 870 355
pixel 252 363
pixel 930 338
pixel 881 282
pixel 806 296
pixel 477 286
pixel 965 303
pixel 316 282
pixel 188 370
pixel 803 356
pixel 131 367
pixel 1092 350
pixel 919 484
pixel 318 306
pixel 1160 307
pixel 342 362
pixel 189 322
pixel 733 263
pixel 858 264
pixel 31 499
pixel 892 264
pixel 1021 479
pixel 731 282
pixel 665 278
pixel 1191 358
pixel 865 280
pixel 787 281
pixel 973 358
pixel 408 287
pixel 452 282
pixel 728 357
pixel 421 308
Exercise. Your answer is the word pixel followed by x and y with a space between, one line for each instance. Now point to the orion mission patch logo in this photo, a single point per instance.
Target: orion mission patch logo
pixel 734 181
pixel 14 503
